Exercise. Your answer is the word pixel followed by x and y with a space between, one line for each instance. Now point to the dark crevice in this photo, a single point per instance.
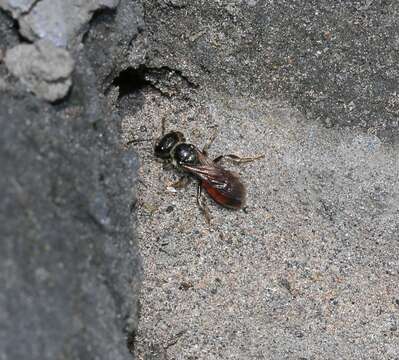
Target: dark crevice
pixel 9 30
pixel 22 39
pixel 31 7
pixel 131 81
pixel 15 23
pixel 130 84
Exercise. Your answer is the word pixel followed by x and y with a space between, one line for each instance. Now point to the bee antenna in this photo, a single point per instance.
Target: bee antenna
pixel 139 140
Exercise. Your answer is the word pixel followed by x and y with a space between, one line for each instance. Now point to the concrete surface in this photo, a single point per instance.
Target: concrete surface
pixel 308 271
pixel 336 61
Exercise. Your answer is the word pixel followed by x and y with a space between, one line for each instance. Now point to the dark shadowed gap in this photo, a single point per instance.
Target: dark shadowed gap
pixel 131 81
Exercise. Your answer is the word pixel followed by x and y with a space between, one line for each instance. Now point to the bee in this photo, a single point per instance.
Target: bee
pixel 223 186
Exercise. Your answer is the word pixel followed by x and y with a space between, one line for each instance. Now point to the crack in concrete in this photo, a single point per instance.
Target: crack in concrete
pixel 31 7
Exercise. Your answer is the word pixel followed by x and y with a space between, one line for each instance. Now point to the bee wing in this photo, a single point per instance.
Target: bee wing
pixel 207 170
pixel 222 185
pixel 209 173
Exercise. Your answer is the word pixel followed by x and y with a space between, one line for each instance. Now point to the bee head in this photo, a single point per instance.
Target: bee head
pixel 165 145
pixel 185 154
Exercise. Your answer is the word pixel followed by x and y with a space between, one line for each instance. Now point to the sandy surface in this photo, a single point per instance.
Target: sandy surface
pixel 308 271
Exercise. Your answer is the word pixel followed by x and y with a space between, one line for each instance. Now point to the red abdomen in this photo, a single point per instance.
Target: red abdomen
pixel 232 197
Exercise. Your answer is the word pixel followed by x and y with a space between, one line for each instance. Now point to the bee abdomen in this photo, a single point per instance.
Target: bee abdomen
pixel 232 199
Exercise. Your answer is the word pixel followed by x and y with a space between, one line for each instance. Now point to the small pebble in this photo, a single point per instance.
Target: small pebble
pixel 169 209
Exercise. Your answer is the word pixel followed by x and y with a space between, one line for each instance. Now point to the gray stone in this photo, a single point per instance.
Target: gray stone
pixel 70 270
pixel 69 266
pixel 63 23
pixel 17 7
pixel 43 68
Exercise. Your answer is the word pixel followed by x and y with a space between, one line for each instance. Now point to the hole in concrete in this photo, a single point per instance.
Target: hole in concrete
pixel 131 81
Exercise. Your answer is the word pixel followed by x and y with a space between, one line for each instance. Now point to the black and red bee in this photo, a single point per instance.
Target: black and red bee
pixel 222 185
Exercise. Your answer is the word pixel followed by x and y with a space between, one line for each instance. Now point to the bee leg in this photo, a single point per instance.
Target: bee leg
pixel 181 183
pixel 167 166
pixel 163 124
pixel 210 141
pixel 201 205
pixel 238 159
